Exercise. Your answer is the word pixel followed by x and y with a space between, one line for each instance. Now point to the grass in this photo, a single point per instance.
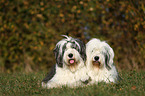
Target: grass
pixel 22 84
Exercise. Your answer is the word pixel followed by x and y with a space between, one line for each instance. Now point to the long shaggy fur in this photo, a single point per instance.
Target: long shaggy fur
pixel 69 69
pixel 99 62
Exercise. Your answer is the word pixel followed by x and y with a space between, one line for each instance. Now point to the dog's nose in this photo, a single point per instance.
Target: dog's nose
pixel 70 55
pixel 96 58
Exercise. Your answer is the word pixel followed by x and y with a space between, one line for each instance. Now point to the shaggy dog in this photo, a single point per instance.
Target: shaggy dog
pixel 69 69
pixel 99 62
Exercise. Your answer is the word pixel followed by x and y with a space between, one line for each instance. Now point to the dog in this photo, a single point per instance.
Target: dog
pixel 69 69
pixel 99 62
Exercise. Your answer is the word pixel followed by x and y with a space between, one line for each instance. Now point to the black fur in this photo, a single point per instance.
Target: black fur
pixel 83 49
pixel 58 56
pixel 50 75
pixel 107 58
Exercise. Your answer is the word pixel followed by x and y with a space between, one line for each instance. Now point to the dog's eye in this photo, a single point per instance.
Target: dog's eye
pixel 75 47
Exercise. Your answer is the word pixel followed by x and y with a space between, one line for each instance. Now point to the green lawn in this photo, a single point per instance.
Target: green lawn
pixel 20 84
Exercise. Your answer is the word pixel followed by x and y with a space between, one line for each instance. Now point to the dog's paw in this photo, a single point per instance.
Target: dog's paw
pixel 43 84
pixel 86 80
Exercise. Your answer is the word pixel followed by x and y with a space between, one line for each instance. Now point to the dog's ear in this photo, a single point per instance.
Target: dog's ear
pixel 109 55
pixel 50 75
pixel 58 56
pixel 83 49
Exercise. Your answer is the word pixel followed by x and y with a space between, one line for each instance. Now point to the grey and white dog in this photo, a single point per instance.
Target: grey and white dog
pixel 69 69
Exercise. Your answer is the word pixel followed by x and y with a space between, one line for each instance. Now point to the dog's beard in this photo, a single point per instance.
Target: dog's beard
pixel 72 64
pixel 96 64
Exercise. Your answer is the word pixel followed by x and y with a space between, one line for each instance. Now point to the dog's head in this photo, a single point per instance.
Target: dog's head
pixel 70 52
pixel 99 54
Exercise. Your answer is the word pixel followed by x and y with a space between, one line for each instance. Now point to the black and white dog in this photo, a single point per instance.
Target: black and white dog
pixel 99 62
pixel 69 69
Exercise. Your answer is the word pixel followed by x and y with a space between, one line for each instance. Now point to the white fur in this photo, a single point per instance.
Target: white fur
pixel 95 47
pixel 66 75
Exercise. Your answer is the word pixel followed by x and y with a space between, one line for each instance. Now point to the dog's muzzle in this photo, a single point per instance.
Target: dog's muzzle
pixel 96 62
pixel 71 59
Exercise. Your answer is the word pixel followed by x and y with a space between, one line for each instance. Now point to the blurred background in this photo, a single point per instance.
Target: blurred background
pixel 30 29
